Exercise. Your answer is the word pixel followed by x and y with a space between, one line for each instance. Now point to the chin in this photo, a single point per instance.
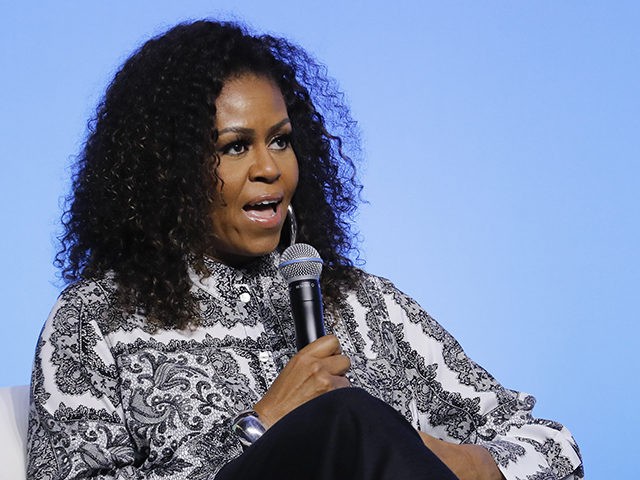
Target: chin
pixel 240 256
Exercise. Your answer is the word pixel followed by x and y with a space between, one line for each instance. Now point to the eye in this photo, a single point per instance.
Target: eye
pixel 237 147
pixel 281 142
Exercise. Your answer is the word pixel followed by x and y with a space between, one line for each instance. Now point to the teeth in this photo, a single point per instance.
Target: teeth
pixel 265 203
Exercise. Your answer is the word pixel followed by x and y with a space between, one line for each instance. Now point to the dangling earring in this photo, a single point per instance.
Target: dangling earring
pixel 293 225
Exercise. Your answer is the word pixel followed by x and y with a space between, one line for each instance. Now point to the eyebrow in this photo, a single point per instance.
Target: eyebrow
pixel 251 131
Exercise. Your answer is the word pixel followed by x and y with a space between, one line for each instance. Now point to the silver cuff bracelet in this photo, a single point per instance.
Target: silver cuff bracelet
pixel 248 427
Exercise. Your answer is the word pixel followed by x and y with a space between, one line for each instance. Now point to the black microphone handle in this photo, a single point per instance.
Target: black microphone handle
pixel 306 307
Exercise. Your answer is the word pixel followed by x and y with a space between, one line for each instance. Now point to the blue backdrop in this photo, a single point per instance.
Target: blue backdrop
pixel 501 143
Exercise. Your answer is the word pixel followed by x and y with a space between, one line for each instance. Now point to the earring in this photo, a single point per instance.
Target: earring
pixel 293 225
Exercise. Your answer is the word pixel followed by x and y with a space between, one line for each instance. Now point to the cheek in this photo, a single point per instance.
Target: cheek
pixel 294 184
pixel 293 176
pixel 220 214
pixel 216 218
pixel 231 180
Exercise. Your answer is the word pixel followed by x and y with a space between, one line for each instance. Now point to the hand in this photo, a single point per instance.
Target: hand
pixel 316 369
pixel 467 462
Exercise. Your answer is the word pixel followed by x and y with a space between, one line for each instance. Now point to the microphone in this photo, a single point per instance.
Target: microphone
pixel 300 265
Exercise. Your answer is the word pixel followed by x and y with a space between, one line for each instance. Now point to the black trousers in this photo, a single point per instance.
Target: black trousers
pixel 344 434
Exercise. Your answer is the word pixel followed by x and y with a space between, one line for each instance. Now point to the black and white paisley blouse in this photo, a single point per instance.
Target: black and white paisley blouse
pixel 114 399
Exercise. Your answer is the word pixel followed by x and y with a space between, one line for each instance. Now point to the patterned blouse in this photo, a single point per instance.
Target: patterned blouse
pixel 112 398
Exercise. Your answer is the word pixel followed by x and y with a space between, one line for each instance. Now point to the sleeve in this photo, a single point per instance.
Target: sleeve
pixel 459 401
pixel 78 427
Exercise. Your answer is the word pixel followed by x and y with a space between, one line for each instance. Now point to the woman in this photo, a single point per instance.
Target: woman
pixel 172 351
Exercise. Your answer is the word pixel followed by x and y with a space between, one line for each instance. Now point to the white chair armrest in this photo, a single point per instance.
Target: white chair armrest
pixel 14 413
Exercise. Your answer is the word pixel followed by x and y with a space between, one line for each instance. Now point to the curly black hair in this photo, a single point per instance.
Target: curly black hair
pixel 145 181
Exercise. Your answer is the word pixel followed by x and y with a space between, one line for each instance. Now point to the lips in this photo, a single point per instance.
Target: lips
pixel 264 209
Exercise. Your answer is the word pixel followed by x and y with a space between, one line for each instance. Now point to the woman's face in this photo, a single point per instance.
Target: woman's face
pixel 258 169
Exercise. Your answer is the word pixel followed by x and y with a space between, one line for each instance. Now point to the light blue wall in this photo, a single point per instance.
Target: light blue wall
pixel 502 172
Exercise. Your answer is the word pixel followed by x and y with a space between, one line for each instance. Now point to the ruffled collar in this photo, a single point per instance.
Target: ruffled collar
pixel 255 271
pixel 267 264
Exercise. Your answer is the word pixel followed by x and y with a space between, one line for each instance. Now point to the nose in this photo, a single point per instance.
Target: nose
pixel 264 167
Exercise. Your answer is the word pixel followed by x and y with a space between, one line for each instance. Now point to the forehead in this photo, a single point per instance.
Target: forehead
pixel 248 97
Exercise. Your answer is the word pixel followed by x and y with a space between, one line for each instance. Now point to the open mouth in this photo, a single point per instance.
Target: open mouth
pixel 262 210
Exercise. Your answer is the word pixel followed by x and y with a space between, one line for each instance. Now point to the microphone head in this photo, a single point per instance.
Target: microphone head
pixel 300 261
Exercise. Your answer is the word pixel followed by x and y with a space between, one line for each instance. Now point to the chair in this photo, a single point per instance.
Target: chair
pixel 14 411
